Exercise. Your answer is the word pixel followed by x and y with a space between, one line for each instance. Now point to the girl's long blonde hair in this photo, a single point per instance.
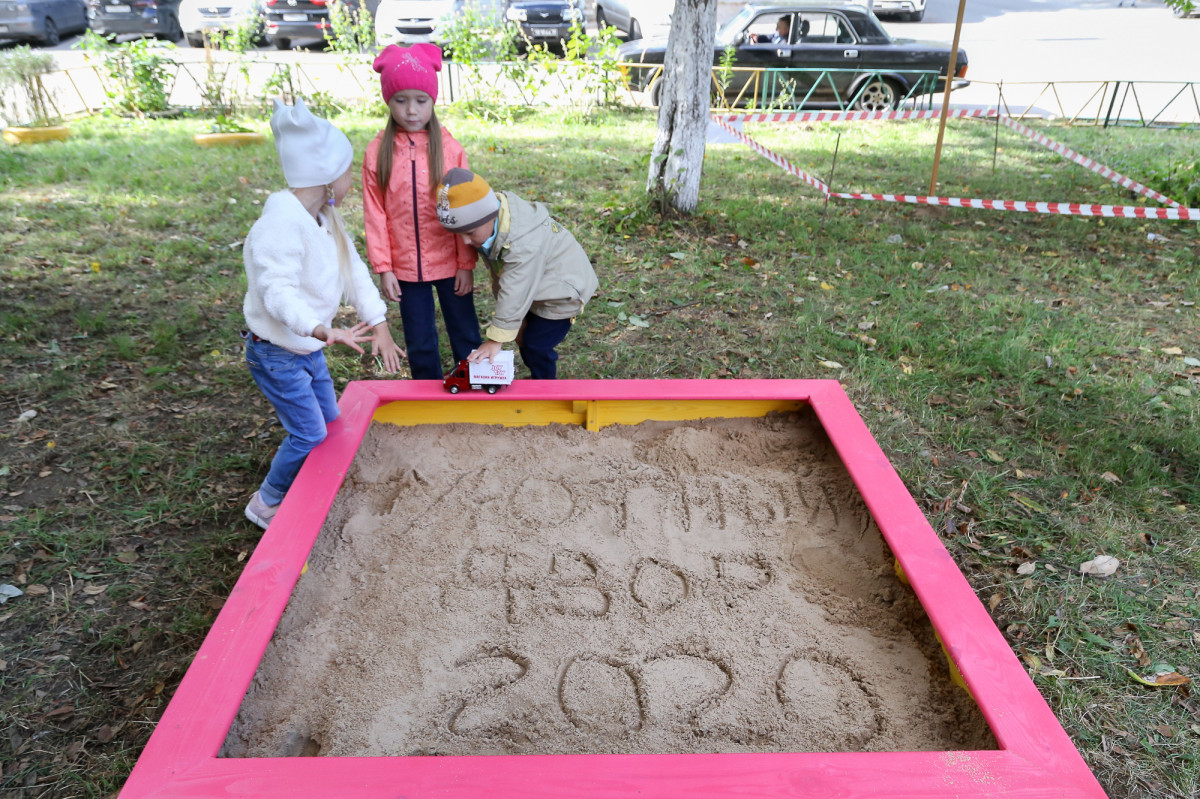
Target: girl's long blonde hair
pixel 383 171
pixel 337 227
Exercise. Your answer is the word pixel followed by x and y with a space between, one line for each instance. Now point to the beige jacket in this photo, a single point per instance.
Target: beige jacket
pixel 537 266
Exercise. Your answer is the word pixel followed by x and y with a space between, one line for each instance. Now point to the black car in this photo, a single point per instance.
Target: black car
pixel 41 21
pixel 289 21
pixel 809 55
pixel 112 18
pixel 543 21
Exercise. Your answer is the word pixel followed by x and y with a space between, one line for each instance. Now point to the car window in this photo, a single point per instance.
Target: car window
pixel 823 28
pixel 765 29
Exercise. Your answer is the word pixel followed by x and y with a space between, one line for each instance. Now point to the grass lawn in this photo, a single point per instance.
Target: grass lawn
pixel 1033 378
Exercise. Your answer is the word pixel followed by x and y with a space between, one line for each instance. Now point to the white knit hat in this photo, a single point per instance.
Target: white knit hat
pixel 311 150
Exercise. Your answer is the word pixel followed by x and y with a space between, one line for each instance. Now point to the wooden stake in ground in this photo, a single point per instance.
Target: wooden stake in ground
pixel 937 152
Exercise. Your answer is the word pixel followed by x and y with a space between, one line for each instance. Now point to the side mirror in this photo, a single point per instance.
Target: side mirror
pixel 740 39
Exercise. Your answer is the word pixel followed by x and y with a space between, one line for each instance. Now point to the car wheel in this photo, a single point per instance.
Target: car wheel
pixel 50 35
pixel 635 30
pixel 491 389
pixel 877 94
pixel 915 16
pixel 602 21
pixel 656 93
pixel 283 44
pixel 195 39
pixel 453 389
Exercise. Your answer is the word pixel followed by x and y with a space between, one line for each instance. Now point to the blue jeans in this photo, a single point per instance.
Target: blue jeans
pixel 301 391
pixel 420 325
pixel 537 343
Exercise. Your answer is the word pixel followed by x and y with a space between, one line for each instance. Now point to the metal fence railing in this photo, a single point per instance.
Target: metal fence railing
pixel 341 80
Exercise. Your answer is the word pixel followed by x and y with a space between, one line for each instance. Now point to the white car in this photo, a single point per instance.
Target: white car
pixel 198 17
pixel 906 10
pixel 636 20
pixel 412 21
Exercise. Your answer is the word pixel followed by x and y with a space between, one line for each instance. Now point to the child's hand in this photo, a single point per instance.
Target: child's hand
pixel 385 347
pixel 464 282
pixel 350 337
pixel 391 286
pixel 488 351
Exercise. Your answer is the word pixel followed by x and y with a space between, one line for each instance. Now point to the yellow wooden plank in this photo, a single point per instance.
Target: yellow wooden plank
pixel 592 414
pixel 501 412
pixel 638 411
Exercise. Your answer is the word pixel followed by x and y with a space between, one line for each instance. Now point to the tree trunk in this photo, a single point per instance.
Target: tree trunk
pixel 678 154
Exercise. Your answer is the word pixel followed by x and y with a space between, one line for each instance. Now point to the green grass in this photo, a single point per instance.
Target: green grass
pixel 1028 375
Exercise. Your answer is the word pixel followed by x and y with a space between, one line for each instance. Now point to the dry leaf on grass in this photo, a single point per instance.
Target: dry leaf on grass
pixel 1100 566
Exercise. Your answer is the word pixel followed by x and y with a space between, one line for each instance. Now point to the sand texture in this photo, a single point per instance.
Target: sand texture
pixel 709 586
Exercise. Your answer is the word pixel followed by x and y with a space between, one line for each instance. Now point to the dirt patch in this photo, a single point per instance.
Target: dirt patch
pixel 714 586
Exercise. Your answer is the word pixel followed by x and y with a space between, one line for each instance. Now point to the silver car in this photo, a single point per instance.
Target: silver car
pixel 635 20
pixel 41 21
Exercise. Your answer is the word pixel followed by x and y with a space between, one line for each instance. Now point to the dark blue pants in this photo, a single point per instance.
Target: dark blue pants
pixel 537 343
pixel 420 325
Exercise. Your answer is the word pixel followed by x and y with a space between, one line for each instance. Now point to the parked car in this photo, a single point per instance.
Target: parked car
pixel 200 17
pixel 412 21
pixel 543 21
pixel 289 21
pixel 112 18
pixel 633 21
pixel 847 59
pixel 41 21
pixel 905 10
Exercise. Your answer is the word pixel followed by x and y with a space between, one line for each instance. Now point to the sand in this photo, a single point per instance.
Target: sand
pixel 709 586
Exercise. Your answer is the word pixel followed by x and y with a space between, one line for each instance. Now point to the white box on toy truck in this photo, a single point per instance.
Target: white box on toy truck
pixel 498 371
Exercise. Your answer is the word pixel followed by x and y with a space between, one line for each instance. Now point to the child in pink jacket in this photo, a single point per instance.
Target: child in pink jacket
pixel 406 244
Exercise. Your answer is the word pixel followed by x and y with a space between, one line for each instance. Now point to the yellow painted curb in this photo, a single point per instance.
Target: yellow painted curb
pixel 34 135
pixel 227 139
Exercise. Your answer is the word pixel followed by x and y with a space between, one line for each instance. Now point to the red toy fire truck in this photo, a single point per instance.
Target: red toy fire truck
pixel 488 375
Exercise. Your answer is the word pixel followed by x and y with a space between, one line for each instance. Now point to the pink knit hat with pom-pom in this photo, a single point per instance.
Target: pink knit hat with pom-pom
pixel 413 67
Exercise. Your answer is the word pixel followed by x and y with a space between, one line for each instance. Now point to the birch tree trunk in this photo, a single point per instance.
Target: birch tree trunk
pixel 678 154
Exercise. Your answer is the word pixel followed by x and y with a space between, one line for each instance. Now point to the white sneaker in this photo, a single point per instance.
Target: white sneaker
pixel 260 512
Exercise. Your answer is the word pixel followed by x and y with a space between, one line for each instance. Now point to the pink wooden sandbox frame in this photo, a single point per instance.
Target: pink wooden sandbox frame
pixel 1035 757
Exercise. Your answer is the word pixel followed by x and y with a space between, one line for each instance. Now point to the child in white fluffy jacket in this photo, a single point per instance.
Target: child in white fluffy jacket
pixel 300 265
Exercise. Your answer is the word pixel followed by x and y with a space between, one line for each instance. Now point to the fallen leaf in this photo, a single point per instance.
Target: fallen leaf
pixel 1100 566
pixel 1172 351
pixel 995 601
pixel 1160 680
pixel 128 556
pixel 994 456
pixel 1029 567
pixel 104 734
pixel 831 364
pixel 138 605
pixel 1030 503
pixel 677 255
pixel 1109 477
pixel 91 589
pixel 37 589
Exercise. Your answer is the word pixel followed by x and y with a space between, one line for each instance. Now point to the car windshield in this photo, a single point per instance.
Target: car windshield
pixel 727 34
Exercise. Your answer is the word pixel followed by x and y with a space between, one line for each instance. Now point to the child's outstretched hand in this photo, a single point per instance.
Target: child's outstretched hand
pixel 386 348
pixel 351 337
pixel 487 351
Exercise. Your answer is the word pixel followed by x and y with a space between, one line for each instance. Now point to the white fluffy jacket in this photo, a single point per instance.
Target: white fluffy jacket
pixel 293 281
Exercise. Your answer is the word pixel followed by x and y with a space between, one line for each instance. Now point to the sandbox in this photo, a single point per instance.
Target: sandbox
pixel 595 589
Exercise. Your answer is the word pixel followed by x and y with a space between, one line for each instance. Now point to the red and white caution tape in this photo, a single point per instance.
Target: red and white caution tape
pixel 1087 163
pixel 1175 212
pixel 1064 209
pixel 853 116
pixel 773 157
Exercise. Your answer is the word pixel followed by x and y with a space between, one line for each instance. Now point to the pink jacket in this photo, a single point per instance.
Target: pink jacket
pixel 403 232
